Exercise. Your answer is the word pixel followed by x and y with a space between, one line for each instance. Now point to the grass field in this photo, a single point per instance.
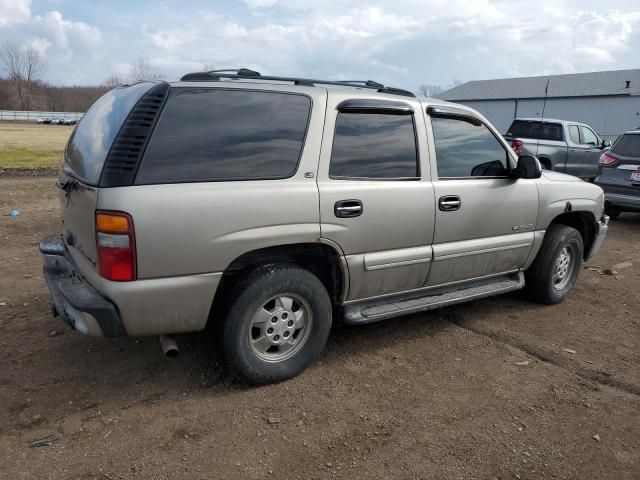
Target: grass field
pixel 27 145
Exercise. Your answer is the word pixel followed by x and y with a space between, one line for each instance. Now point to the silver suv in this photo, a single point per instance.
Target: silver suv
pixel 267 207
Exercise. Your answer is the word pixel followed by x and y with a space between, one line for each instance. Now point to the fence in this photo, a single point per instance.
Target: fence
pixel 14 115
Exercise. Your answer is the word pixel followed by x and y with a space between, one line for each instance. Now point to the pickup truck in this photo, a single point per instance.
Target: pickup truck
pixel 560 145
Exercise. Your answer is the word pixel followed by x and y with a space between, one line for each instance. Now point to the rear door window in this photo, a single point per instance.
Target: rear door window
pixel 574 134
pixel 217 134
pixel 465 149
pixel 537 130
pixel 628 145
pixel 91 141
pixel 375 146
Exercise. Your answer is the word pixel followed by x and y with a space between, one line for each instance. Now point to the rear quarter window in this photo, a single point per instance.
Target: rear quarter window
pixel 222 134
pixel 536 130
pixel 628 145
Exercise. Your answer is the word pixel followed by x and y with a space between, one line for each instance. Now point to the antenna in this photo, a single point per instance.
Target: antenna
pixel 546 94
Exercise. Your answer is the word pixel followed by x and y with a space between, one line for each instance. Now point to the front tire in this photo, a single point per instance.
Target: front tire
pixel 277 323
pixel 555 270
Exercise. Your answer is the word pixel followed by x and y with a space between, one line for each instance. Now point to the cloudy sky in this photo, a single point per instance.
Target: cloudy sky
pixel 403 43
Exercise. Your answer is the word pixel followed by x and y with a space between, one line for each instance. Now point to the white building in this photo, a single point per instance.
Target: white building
pixel 608 101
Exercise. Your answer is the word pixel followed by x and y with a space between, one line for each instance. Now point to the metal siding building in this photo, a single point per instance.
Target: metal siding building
pixel 608 101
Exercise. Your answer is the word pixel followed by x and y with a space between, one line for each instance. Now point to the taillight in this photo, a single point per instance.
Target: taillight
pixel 517 146
pixel 607 160
pixel 116 244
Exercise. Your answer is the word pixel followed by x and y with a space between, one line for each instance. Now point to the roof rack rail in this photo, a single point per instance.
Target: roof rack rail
pixel 247 74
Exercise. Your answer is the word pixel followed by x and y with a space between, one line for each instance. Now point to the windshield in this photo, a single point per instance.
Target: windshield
pixel 92 139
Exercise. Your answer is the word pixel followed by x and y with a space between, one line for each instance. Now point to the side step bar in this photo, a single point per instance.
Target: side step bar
pixel 377 310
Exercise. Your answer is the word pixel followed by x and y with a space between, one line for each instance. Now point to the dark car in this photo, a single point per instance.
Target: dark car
pixel 619 175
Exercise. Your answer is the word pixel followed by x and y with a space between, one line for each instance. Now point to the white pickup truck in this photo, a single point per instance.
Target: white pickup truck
pixel 560 145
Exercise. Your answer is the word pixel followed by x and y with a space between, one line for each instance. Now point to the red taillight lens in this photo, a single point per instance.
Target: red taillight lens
pixel 116 244
pixel 517 146
pixel 607 160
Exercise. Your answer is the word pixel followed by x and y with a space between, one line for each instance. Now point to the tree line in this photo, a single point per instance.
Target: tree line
pixel 22 84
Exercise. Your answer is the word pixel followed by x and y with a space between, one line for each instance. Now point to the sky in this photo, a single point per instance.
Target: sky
pixel 402 43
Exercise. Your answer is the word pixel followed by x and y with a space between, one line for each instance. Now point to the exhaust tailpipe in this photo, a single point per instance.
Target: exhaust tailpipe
pixel 169 346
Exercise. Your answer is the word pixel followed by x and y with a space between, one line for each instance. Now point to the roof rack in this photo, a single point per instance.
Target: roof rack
pixel 247 74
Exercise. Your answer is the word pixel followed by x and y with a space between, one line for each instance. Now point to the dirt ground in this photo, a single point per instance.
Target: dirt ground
pixel 34 136
pixel 498 388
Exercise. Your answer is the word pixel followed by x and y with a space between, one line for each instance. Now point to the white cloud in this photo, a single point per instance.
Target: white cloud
pixel 14 11
pixel 400 42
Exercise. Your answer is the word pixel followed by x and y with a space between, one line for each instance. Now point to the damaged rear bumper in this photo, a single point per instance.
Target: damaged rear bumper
pixel 77 302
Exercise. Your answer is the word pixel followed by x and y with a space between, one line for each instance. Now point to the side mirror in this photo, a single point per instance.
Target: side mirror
pixel 605 143
pixel 528 167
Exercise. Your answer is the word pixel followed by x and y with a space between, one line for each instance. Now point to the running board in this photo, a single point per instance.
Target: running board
pixel 377 310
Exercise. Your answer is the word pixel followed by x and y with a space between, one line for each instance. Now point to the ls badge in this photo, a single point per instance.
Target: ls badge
pixel 528 226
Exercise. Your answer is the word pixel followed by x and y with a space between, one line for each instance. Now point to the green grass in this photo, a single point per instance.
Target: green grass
pixel 29 158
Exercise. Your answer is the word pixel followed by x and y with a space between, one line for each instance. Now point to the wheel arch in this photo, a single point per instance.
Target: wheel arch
pixel 323 259
pixel 546 162
pixel 584 222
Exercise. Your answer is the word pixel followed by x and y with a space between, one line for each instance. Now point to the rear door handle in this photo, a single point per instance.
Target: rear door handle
pixel 348 208
pixel 449 203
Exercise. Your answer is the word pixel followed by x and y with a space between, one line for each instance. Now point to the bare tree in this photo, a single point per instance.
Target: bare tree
pixel 24 67
pixel 207 67
pixel 114 81
pixel 142 70
pixel 430 90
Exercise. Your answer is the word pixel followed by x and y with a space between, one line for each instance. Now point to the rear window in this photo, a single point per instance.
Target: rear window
pixel 628 145
pixel 91 140
pixel 538 130
pixel 217 134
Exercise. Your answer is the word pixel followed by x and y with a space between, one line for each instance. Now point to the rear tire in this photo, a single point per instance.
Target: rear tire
pixel 611 210
pixel 555 270
pixel 277 323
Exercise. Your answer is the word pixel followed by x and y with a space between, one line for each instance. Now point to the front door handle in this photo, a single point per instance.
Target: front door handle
pixel 449 203
pixel 348 208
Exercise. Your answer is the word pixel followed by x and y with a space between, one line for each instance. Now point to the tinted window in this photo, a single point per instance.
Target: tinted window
pixel 216 134
pixel 574 134
pixel 467 150
pixel 588 137
pixel 532 129
pixel 628 145
pixel 91 140
pixel 374 145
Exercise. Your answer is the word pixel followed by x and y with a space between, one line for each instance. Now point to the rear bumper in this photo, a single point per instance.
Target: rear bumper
pixel 622 201
pixel 623 197
pixel 96 306
pixel 77 302
pixel 601 233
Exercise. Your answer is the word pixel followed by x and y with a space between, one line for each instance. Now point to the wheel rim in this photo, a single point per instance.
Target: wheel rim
pixel 564 267
pixel 280 327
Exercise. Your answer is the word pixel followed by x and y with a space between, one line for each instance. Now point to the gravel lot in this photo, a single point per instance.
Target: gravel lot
pixel 499 388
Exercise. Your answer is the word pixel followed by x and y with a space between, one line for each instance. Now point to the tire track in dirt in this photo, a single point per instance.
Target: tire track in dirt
pixel 528 346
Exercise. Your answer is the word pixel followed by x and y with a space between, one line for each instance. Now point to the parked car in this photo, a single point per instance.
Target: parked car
pixel 268 207
pixel 619 175
pixel 45 121
pixel 560 145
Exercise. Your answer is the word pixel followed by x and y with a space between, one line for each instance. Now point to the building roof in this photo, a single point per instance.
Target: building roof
pixel 570 85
